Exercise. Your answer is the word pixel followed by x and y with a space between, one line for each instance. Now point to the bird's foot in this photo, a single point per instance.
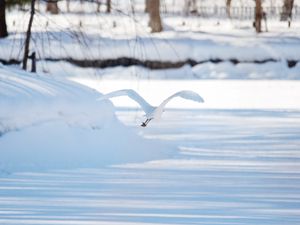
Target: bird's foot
pixel 144 124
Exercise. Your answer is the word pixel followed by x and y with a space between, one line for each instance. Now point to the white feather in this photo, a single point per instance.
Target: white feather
pixel 147 108
pixel 189 95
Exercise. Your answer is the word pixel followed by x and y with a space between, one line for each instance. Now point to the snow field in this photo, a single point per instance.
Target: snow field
pixel 66 158
pixel 233 167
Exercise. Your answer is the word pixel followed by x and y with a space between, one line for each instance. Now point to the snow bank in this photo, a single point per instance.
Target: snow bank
pixel 223 70
pixel 27 99
pixel 51 123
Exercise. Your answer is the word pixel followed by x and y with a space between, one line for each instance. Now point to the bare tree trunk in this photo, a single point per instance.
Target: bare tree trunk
pixel 108 6
pixel 258 15
pixel 287 8
pixel 52 7
pixel 154 14
pixel 3 27
pixel 228 5
pixel 28 36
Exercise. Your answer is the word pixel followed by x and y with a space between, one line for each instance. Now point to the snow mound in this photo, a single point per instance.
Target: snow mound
pixel 52 123
pixel 27 99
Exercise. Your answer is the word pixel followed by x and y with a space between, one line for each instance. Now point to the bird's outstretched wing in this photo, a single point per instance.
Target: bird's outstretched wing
pixel 190 95
pixel 131 94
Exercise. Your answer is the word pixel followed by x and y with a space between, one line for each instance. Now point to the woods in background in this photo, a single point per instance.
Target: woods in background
pixel 153 7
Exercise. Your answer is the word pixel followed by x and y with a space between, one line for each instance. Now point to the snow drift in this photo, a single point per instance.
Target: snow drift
pixel 51 123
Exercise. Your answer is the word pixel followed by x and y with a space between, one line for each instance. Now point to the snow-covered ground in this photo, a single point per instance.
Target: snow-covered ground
pixel 199 40
pixel 232 167
pixel 66 158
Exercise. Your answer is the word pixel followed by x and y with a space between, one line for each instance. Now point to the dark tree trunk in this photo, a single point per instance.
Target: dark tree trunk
pixel 228 5
pixel 33 62
pixel 108 6
pixel 154 14
pixel 3 27
pixel 287 8
pixel 52 7
pixel 258 15
pixel 28 36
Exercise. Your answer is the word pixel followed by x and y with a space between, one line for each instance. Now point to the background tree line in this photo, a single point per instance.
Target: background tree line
pixel 152 7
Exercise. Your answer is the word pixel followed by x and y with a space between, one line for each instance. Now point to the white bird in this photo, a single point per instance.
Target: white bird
pixel 151 111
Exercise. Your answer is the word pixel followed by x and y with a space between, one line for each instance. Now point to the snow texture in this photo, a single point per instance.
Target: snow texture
pixel 233 167
pixel 48 123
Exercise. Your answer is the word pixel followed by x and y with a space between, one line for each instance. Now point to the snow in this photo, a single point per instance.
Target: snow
pixel 168 46
pixel 124 34
pixel 205 71
pixel 233 167
pixel 51 123
pixel 66 158
pixel 185 38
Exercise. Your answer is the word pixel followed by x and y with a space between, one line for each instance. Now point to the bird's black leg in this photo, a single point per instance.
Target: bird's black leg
pixel 144 124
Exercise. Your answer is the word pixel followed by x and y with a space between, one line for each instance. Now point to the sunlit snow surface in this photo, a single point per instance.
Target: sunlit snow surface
pixel 233 167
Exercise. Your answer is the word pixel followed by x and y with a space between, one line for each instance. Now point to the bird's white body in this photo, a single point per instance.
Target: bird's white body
pixel 152 112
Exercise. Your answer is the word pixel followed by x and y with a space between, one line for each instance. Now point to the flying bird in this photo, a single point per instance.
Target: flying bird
pixel 152 112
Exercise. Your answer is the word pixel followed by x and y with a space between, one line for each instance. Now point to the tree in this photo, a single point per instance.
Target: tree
pixel 228 5
pixel 258 15
pixel 108 6
pixel 287 9
pixel 154 15
pixel 3 27
pixel 28 36
pixel 52 7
